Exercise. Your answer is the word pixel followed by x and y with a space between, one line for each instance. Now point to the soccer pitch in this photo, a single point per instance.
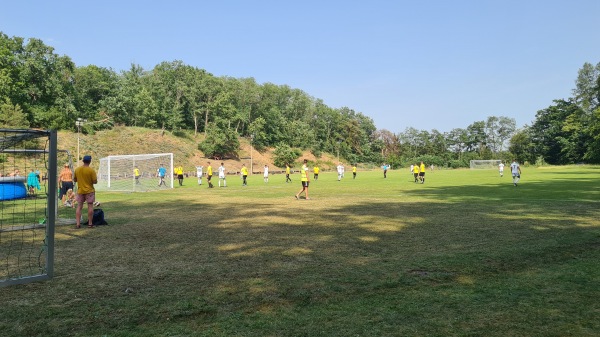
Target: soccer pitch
pixel 465 253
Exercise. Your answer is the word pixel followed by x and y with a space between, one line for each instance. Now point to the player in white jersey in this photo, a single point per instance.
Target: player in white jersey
pixel 199 174
pixel 266 174
pixel 515 169
pixel 340 171
pixel 222 176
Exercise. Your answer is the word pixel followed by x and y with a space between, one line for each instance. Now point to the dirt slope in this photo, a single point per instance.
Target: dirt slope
pixel 134 140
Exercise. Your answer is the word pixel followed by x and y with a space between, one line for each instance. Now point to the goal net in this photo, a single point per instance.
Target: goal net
pixel 135 172
pixel 485 164
pixel 28 204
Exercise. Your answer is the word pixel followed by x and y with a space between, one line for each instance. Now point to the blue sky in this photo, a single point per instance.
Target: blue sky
pixel 425 64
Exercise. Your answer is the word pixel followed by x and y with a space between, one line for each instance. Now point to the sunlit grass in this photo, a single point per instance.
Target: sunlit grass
pixel 466 253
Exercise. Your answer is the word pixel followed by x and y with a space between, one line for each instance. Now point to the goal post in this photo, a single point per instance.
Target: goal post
pixel 485 164
pixel 28 205
pixel 135 172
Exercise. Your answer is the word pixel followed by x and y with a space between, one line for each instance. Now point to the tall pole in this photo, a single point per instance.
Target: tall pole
pixel 78 124
pixel 251 139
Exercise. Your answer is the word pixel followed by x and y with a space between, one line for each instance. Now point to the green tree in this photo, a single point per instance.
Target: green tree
pixel 12 116
pixel 220 143
pixel 521 146
pixel 92 86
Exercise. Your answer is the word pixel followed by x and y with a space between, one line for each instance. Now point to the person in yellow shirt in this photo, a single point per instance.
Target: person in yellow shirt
pixel 416 172
pixel 316 172
pixel 179 172
pixel 422 173
pixel 354 171
pixel 244 173
pixel 304 180
pixel 85 177
pixel 287 173
pixel 209 175
pixel 136 174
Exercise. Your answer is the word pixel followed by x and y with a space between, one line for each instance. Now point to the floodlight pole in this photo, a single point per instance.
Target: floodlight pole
pixel 79 123
pixel 251 139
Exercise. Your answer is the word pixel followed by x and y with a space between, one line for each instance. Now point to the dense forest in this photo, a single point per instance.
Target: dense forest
pixel 40 89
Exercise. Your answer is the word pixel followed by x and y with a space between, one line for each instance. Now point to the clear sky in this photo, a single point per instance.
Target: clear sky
pixel 434 64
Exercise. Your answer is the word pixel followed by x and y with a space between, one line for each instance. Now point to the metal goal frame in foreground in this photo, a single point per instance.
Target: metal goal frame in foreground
pixel 28 205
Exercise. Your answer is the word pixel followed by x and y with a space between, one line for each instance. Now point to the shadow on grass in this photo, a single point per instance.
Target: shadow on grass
pixel 290 266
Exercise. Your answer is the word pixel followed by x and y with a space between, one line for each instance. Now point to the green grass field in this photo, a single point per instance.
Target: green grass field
pixel 465 254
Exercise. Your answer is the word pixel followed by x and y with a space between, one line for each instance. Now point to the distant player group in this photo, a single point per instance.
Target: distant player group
pixel 418 171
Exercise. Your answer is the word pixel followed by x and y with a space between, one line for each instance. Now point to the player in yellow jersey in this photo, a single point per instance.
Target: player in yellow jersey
pixel 416 172
pixel 179 172
pixel 304 180
pixel 136 174
pixel 316 172
pixel 244 173
pixel 354 171
pixel 209 175
pixel 422 173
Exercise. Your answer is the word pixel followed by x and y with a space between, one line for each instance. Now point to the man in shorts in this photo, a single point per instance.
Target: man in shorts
pixel 179 173
pixel 266 174
pixel 222 175
pixel 316 172
pixel 162 171
pixel 515 169
pixel 304 180
pixel 422 173
pixel 209 175
pixel 501 169
pixel 85 177
pixel 136 174
pixel 340 171
pixel 199 174
pixel 244 173
pixel 415 169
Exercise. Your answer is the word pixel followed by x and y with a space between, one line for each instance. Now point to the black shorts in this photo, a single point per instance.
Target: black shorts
pixel 305 184
pixel 421 174
pixel 180 176
pixel 208 176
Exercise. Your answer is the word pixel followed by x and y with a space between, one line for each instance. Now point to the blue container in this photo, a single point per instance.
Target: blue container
pixel 12 188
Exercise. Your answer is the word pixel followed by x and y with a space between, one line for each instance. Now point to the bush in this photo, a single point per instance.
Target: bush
pixel 284 154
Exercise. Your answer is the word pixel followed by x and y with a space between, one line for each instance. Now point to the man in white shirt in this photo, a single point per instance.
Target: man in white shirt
pixel 515 169
pixel 266 174
pixel 340 171
pixel 501 169
pixel 199 174
pixel 222 176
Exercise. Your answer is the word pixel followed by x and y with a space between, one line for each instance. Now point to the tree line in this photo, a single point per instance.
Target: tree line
pixel 40 89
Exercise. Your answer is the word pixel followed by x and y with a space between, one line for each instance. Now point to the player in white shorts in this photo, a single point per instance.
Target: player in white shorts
pixel 222 176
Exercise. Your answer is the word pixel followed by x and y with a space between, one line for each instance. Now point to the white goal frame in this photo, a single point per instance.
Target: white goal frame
pixel 484 164
pixel 115 173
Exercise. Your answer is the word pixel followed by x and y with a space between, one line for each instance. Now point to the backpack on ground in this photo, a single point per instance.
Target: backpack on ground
pixel 98 218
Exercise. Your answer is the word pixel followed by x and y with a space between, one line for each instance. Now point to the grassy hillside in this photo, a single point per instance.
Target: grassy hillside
pixel 134 140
